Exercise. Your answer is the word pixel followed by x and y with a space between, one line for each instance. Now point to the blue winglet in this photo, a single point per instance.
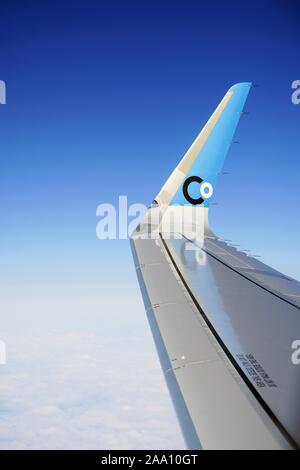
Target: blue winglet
pixel 209 162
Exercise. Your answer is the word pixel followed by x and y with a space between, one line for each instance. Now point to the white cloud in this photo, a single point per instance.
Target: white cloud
pixel 84 385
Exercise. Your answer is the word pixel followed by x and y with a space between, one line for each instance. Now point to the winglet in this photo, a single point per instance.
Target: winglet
pixel 193 180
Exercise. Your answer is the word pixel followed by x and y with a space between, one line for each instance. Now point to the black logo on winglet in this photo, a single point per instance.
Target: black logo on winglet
pixel 206 190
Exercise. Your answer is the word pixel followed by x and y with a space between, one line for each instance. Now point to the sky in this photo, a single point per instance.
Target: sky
pixel 103 99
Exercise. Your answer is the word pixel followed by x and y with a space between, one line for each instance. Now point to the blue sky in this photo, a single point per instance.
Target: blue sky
pixel 103 99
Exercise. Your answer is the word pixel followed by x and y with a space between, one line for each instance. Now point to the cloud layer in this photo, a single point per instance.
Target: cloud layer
pixel 72 388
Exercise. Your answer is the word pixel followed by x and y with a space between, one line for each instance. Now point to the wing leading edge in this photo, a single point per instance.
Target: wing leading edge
pixel 222 322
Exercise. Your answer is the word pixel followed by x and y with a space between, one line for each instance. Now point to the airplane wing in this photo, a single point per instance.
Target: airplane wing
pixel 223 322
